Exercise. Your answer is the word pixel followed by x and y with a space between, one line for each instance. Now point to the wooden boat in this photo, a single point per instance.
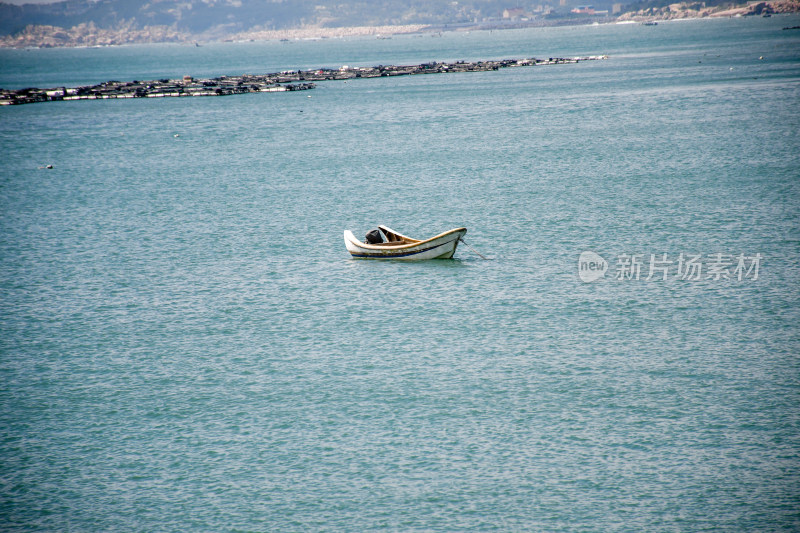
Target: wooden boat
pixel 398 246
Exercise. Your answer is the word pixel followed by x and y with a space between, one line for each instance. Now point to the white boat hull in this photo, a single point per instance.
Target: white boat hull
pixel 442 246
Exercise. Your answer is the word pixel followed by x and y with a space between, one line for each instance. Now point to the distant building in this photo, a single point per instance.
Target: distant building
pixel 583 10
pixel 616 8
pixel 514 13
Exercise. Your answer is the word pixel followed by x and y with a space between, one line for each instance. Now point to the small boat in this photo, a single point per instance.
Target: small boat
pixel 384 243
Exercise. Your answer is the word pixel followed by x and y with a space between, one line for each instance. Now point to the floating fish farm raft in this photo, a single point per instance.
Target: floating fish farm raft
pixel 290 80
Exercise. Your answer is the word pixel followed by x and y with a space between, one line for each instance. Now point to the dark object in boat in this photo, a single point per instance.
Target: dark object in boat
pixel 374 237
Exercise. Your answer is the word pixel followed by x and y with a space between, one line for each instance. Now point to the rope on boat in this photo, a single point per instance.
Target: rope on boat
pixel 473 249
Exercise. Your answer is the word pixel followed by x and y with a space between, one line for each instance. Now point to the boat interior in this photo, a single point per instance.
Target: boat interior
pixel 392 238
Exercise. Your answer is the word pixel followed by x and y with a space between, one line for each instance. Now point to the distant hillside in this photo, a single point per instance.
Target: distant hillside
pixel 110 22
pixel 651 10
pixel 193 16
pixel 230 16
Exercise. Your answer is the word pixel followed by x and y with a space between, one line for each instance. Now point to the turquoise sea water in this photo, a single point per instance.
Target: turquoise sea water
pixel 185 344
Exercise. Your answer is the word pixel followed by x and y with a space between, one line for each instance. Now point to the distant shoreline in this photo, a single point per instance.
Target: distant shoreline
pixel 89 35
pixel 699 11
pixel 325 33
